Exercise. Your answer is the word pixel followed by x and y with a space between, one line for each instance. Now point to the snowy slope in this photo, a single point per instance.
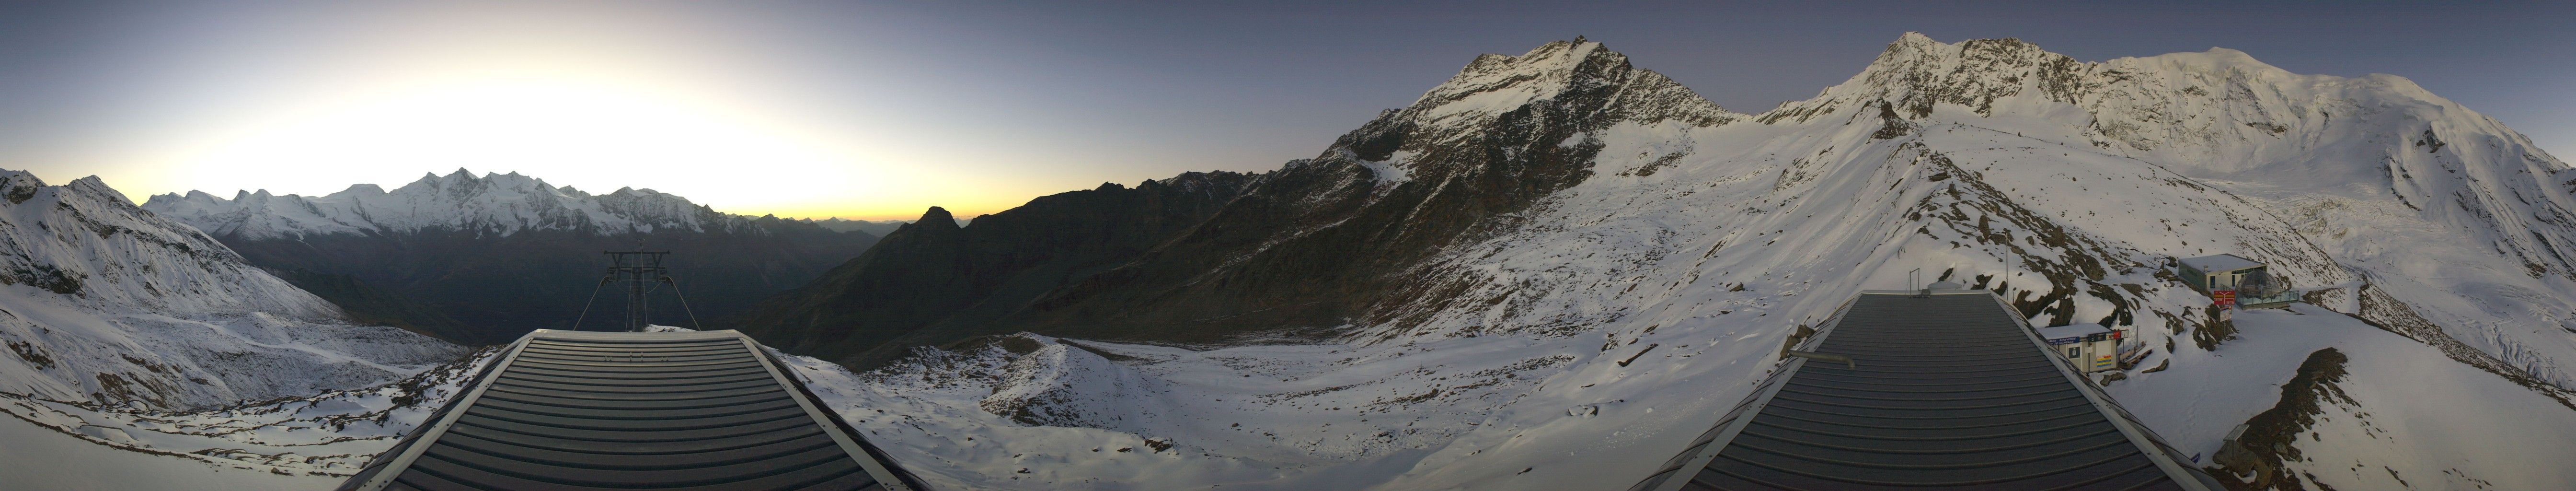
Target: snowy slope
pixel 496 204
pixel 1591 335
pixel 2395 420
pixel 42 460
pixel 2447 210
pixel 84 242
pixel 106 303
pixel 138 345
pixel 307 442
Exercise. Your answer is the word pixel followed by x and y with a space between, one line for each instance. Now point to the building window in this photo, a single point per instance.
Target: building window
pixel 2076 352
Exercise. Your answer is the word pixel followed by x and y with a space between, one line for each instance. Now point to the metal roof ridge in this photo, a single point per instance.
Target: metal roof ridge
pixel 1700 455
pixel 829 421
pixel 1742 416
pixel 2148 443
pixel 400 460
pixel 420 439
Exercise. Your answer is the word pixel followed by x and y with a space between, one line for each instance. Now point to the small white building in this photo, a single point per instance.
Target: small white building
pixel 2219 272
pixel 2093 347
pixel 2230 280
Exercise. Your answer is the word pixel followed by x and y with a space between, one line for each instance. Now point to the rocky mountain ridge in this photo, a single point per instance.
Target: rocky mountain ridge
pixel 1322 240
pixel 932 281
pixel 873 227
pixel 497 204
pixel 105 303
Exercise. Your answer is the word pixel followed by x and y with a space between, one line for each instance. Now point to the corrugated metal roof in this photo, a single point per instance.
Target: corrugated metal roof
pixel 1951 390
pixel 567 410
pixel 2072 330
pixel 2220 263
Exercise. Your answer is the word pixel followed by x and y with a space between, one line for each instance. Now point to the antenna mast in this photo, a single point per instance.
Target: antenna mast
pixel 638 268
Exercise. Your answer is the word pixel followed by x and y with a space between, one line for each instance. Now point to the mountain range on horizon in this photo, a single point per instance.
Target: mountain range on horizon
pixel 481 260
pixel 872 227
pixel 1544 268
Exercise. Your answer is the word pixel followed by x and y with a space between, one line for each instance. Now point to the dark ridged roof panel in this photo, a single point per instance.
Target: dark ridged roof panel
pixel 1945 390
pixel 568 410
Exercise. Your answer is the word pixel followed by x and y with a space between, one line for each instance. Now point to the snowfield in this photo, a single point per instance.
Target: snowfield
pixel 42 460
pixel 1251 417
pixel 312 442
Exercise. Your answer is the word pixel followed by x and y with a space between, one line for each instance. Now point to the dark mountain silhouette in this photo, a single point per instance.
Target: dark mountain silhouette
pixel 932 281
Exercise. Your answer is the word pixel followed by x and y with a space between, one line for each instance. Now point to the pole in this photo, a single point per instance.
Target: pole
pixel 638 268
pixel 635 298
pixel 1914 281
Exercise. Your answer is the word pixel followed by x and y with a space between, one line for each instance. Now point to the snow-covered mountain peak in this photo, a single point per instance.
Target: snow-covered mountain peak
pixel 2222 114
pixel 103 301
pixel 2200 108
pixel 1550 66
pixel 96 188
pixel 83 239
pixel 113 317
pixel 19 185
pixel 460 201
pixel 1916 72
pixel 464 184
pixel 1550 96
pixel 1493 84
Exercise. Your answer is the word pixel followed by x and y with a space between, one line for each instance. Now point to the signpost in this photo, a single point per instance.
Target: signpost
pixel 2222 298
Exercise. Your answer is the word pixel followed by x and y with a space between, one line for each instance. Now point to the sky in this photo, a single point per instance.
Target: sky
pixel 874 110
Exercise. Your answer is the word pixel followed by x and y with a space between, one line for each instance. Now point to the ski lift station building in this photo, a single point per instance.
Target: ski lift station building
pixel 2219 272
pixel 2091 347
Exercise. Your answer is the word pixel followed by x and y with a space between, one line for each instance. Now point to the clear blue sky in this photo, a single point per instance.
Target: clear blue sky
pixel 876 110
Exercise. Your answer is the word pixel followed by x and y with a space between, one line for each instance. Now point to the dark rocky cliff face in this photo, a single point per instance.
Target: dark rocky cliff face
pixel 483 289
pixel 932 281
pixel 368 305
pixel 1326 241
pixel 1313 246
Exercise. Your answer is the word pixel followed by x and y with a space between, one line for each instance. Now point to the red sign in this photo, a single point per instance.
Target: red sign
pixel 2222 297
